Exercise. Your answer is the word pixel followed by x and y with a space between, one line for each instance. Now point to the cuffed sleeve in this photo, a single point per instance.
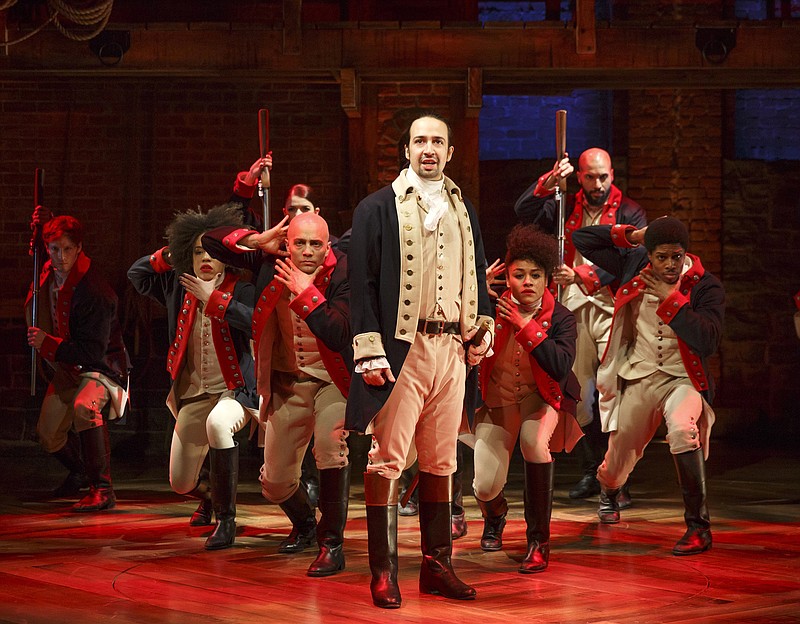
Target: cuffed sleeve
pixel 368 345
pixel 307 301
pixel 159 262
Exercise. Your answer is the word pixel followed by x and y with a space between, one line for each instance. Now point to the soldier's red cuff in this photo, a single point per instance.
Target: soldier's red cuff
pixel 797 300
pixel 231 241
pixel 671 305
pixel 619 235
pixel 531 336
pixel 49 347
pixel 540 190
pixel 218 304
pixel 307 301
pixel 242 188
pixel 159 262
pixel 590 280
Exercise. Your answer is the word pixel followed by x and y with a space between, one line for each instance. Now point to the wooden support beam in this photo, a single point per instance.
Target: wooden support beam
pixel 585 27
pixel 350 85
pixel 474 91
pixel 292 32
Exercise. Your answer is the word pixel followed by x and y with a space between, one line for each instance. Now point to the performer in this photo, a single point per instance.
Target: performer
pixel 531 398
pixel 586 287
pixel 301 330
pixel 797 314
pixel 213 394
pixel 667 323
pixel 300 198
pixel 80 338
pixel 418 279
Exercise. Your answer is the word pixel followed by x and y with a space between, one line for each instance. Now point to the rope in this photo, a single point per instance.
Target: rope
pixel 91 14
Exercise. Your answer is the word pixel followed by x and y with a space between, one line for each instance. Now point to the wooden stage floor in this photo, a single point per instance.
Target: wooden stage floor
pixel 142 563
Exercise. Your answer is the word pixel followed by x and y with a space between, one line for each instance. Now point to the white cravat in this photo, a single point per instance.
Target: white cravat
pixel 433 197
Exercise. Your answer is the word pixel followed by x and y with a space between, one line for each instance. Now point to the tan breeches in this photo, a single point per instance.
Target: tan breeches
pixel 594 326
pixel 644 403
pixel 301 408
pixel 424 408
pixel 70 401
pixel 496 431
pixel 208 420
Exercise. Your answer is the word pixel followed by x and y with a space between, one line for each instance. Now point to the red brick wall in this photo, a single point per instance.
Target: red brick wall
pixel 675 162
pixel 124 155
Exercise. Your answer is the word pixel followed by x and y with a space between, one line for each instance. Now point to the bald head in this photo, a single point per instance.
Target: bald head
pixel 306 220
pixel 595 175
pixel 308 241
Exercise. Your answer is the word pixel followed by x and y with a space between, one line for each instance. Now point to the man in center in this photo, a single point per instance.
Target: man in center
pixel 417 273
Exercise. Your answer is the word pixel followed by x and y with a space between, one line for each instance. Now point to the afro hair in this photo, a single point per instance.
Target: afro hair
pixel 528 242
pixel 187 226
pixel 666 231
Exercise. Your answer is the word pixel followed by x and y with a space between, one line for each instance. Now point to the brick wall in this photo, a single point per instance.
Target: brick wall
pixel 123 155
pixel 675 162
pixel 761 227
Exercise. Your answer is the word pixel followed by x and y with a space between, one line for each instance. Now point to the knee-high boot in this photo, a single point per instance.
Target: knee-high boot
pixel 70 456
pixel 334 490
pixel 304 522
pixel 494 521
pixel 224 483
pixel 692 477
pixel 436 575
pixel 538 509
pixel 458 522
pixel 97 459
pixel 204 514
pixel 380 495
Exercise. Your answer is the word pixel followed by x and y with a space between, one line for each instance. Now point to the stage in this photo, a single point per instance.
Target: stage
pixel 142 563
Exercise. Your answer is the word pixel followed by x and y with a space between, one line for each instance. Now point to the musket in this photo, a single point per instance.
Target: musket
pixel 36 246
pixel 561 186
pixel 263 146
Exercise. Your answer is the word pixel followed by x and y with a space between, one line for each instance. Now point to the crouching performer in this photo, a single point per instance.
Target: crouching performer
pixel 301 330
pixel 667 322
pixel 529 392
pixel 213 395
pixel 80 337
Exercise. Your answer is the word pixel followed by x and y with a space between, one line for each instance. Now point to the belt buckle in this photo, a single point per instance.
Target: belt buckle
pixel 439 325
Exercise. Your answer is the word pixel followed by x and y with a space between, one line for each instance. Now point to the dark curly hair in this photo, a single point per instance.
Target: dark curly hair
pixel 666 231
pixel 528 242
pixel 187 226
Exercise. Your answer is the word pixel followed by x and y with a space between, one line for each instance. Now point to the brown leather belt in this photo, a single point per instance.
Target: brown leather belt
pixel 436 328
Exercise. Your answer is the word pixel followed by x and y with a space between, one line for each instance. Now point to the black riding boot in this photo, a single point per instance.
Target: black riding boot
pixel 97 459
pixel 692 477
pixel 309 475
pixel 204 514
pixel 458 522
pixel 494 521
pixel 304 522
pixel 587 453
pixel 436 573
pixel 333 498
pixel 538 508
pixel 380 495
pixel 608 511
pixel 224 482
pixel 70 456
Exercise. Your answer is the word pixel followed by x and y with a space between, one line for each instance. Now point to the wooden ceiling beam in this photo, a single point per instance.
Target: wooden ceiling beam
pixel 508 56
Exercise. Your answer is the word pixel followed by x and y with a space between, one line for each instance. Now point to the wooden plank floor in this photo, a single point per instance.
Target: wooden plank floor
pixel 142 563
